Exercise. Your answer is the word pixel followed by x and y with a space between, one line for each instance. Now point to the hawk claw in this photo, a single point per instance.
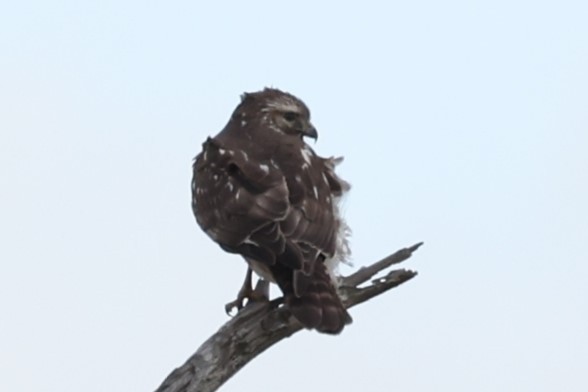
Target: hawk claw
pixel 238 303
pixel 247 295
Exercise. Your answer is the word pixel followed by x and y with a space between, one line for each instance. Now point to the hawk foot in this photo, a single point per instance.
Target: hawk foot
pixel 247 296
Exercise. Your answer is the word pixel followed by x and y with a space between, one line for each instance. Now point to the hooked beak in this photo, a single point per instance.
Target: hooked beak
pixel 311 132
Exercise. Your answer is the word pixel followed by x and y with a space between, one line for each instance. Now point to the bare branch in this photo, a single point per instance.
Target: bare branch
pixel 365 273
pixel 259 326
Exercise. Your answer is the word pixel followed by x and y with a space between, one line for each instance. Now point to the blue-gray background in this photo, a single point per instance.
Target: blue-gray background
pixel 464 124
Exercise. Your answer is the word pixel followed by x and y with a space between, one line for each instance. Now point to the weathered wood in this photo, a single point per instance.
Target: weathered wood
pixel 259 326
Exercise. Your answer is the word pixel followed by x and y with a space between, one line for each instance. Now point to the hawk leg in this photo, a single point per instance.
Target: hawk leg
pixel 260 294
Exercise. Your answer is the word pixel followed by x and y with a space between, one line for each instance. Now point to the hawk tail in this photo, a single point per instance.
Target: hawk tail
pixel 318 306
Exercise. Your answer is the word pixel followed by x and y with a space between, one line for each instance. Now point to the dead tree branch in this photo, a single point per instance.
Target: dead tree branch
pixel 259 326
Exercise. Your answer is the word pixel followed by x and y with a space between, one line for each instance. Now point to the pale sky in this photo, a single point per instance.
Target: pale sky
pixel 464 125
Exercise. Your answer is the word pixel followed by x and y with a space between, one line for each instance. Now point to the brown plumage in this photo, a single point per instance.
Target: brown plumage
pixel 260 191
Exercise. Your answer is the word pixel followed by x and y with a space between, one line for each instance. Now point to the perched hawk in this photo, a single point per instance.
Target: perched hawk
pixel 260 191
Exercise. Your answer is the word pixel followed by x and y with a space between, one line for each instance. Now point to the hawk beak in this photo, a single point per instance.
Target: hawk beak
pixel 311 132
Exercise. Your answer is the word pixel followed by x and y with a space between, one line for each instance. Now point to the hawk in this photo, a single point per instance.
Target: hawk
pixel 260 191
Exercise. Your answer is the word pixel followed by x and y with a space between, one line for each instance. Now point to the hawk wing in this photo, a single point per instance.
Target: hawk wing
pixel 277 214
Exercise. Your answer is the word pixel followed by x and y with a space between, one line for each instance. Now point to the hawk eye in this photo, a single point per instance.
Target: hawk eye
pixel 290 116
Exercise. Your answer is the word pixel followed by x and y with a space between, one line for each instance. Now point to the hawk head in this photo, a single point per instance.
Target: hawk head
pixel 280 111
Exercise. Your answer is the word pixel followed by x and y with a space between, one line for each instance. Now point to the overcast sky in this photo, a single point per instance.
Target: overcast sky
pixel 464 125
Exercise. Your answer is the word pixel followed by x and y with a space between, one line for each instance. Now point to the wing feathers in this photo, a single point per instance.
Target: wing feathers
pixel 235 198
